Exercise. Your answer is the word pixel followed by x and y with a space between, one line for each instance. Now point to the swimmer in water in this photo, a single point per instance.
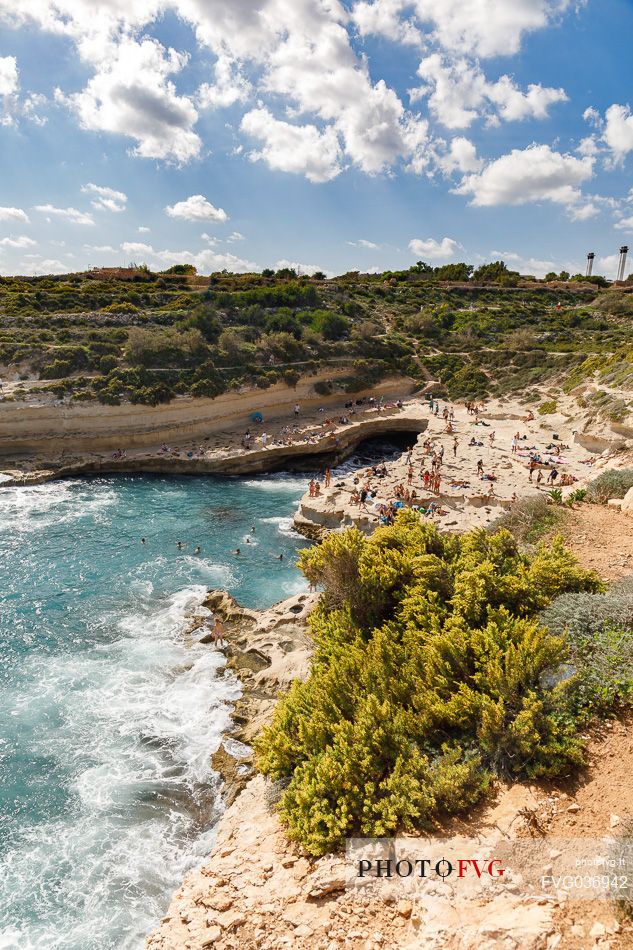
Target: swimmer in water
pixel 248 540
pixel 198 550
pixel 142 540
pixel 237 551
pixel 179 545
pixel 280 557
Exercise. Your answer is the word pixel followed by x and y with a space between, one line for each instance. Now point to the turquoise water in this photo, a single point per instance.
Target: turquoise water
pixel 108 715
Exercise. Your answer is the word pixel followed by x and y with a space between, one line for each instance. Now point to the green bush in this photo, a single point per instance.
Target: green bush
pixel 599 632
pixel 429 678
pixel 528 519
pixel 123 307
pixel 547 408
pixel 612 484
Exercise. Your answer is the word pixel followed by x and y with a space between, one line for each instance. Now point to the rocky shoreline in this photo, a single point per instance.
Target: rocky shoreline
pixel 267 650
pixel 259 891
pixel 318 447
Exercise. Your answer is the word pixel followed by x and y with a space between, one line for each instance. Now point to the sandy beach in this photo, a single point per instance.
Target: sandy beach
pixel 485 467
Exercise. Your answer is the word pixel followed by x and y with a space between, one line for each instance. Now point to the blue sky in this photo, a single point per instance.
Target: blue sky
pixel 364 134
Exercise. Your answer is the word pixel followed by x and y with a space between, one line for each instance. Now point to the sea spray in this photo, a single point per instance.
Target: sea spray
pixel 110 711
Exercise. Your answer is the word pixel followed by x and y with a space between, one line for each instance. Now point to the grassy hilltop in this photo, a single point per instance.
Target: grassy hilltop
pixel 129 334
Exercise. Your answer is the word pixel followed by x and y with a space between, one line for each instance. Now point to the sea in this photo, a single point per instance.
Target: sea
pixel 109 711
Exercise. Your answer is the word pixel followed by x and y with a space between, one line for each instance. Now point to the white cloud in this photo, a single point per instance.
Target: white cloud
pixel 618 131
pixel 213 241
pixel 487 28
pixel 535 173
pixel 369 245
pixel 229 87
pixel 8 89
pixel 207 261
pixel 131 94
pixel 22 241
pixel 43 267
pixel 196 208
pixel 301 149
pixel 434 250
pixel 459 93
pixel 484 28
pixel 135 247
pixel 584 212
pixel 14 214
pixel 382 18
pixel 515 105
pixel 235 236
pixel 143 230
pixel 461 156
pixel 8 75
pixel 100 248
pixel 308 269
pixel 106 199
pixel 69 214
pixel 624 224
pixel 525 265
pixel 608 265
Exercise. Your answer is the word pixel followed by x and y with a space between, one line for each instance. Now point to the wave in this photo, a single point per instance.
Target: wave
pixel 284 525
pixel 137 719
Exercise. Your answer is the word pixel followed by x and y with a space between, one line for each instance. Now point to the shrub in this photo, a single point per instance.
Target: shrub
pixel 121 308
pixel 612 484
pixel 528 519
pixel 599 632
pixel 547 408
pixel 429 677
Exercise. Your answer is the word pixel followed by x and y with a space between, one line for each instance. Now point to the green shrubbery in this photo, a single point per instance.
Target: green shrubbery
pixel 430 677
pixel 599 632
pixel 612 484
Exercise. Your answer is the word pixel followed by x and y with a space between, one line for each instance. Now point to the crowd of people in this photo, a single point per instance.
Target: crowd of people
pixel 420 482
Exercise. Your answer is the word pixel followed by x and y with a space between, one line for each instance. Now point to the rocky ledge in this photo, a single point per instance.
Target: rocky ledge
pixel 267 650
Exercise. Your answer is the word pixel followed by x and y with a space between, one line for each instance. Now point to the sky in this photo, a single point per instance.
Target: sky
pixel 328 135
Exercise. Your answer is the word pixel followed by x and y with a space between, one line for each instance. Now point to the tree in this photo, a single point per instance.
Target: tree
pixel 490 273
pixel 332 326
pixel 187 269
pixel 455 272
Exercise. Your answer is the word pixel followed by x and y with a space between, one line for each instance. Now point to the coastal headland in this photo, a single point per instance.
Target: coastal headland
pixel 205 436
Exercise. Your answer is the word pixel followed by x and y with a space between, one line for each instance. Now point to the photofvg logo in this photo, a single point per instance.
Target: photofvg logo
pixel 428 868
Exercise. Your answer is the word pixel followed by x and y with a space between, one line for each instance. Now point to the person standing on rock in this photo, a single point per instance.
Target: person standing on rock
pixel 480 468
pixel 297 410
pixel 218 633
pixel 328 478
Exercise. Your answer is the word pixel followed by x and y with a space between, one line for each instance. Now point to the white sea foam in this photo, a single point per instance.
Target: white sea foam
pixel 31 509
pixel 276 484
pixel 284 525
pixel 141 715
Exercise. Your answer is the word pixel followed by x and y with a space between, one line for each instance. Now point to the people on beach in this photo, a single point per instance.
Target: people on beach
pixel 327 478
